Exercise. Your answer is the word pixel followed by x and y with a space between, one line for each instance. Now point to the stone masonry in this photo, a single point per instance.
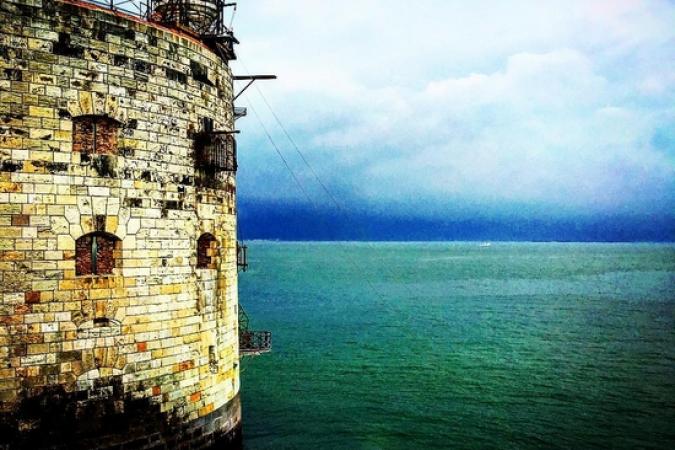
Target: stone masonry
pixel 111 333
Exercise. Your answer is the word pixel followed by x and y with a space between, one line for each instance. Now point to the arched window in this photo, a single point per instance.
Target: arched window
pixel 95 135
pixel 207 248
pixel 96 253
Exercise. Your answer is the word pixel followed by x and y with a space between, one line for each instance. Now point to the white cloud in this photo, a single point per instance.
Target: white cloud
pixel 542 103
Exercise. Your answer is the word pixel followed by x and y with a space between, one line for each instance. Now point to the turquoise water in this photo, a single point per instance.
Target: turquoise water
pixel 453 345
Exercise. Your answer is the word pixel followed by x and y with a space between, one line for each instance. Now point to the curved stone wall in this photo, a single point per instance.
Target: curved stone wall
pixel 145 350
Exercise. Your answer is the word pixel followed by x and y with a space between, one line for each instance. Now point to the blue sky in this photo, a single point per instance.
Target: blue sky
pixel 538 112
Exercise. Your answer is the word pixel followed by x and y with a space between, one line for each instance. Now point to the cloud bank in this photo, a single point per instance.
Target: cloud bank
pixel 452 111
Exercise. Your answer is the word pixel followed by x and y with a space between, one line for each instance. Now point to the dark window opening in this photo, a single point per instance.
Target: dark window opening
pixel 120 60
pixel 101 322
pixel 207 248
pixel 176 76
pixel 95 135
pixel 200 73
pixel 64 47
pixel 171 205
pixel 141 66
pixel 133 202
pixel 207 124
pixel 213 359
pixel 97 254
pixel 13 74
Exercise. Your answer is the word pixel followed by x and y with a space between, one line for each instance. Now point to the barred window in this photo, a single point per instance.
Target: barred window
pixel 207 248
pixel 216 152
pixel 97 253
pixel 95 134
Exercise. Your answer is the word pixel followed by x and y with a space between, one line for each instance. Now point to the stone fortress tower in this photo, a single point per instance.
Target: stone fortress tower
pixel 118 251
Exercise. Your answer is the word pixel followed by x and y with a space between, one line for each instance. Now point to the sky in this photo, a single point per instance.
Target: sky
pixel 442 119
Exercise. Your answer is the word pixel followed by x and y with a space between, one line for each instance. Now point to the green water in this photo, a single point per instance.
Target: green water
pixel 453 345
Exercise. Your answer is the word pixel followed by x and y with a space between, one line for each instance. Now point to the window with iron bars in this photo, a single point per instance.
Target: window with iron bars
pixel 215 152
pixel 95 134
pixel 97 253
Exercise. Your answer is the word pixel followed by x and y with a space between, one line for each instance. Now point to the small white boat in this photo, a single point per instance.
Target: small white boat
pixel 485 244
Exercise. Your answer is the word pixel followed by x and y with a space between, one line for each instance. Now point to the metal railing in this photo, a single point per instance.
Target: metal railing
pixel 203 19
pixel 255 342
pixel 183 12
pixel 138 8
pixel 252 342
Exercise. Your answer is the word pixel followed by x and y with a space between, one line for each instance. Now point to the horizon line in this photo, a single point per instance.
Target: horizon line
pixel 412 241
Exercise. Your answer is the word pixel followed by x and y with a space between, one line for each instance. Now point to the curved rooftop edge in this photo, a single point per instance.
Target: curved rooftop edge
pixel 140 18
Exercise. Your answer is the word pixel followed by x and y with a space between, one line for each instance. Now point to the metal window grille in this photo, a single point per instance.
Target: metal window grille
pixel 95 254
pixel 95 134
pixel 216 152
pixel 207 17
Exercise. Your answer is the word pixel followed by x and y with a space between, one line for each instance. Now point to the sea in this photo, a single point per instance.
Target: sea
pixel 460 345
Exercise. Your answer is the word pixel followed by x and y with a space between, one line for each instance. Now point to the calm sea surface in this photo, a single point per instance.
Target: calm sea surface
pixel 453 345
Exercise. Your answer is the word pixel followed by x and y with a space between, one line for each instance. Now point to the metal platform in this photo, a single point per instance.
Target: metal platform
pixel 252 343
pixel 205 19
